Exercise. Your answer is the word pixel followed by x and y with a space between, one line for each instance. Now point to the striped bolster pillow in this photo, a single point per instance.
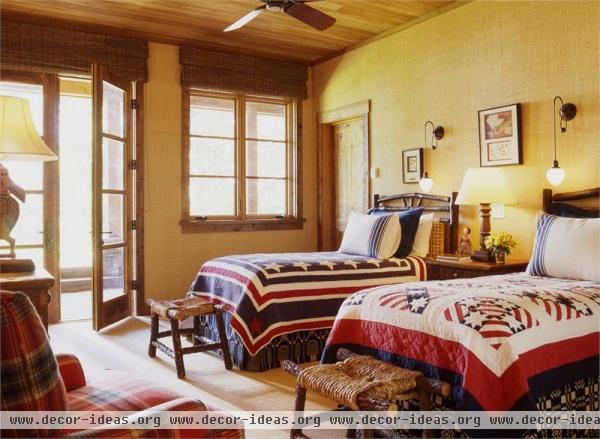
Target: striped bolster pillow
pixel 377 236
pixel 566 248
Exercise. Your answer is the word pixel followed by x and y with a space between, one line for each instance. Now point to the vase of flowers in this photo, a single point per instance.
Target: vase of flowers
pixel 500 244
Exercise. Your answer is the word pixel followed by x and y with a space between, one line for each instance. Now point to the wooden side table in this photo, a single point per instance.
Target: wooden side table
pixel 35 284
pixel 442 270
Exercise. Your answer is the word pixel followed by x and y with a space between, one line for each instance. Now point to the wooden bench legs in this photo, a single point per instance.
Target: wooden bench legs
pixel 425 389
pixel 200 343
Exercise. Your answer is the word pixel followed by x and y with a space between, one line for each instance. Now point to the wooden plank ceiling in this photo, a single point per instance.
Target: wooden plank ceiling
pixel 201 22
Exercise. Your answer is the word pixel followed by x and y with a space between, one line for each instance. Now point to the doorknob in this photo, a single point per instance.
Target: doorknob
pixel 47 239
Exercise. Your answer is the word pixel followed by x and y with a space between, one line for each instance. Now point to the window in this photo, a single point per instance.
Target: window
pixel 240 162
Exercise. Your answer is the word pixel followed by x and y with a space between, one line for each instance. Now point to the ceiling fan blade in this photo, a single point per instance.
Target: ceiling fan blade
pixel 245 19
pixel 309 15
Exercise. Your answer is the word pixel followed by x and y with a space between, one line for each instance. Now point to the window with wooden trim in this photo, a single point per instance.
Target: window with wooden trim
pixel 240 162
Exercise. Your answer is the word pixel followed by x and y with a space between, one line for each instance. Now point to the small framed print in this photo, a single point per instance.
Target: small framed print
pixel 500 136
pixel 412 165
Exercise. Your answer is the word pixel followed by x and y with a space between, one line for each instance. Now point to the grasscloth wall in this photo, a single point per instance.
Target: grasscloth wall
pixel 478 56
pixel 172 258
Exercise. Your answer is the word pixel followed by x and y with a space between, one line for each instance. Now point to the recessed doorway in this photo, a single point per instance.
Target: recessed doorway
pixel 75 206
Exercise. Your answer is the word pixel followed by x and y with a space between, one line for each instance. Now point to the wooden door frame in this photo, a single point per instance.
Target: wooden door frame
pixel 51 102
pixel 326 165
pixel 51 84
pixel 140 307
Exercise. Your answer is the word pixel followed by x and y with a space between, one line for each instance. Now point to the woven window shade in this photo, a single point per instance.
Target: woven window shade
pixel 47 49
pixel 238 73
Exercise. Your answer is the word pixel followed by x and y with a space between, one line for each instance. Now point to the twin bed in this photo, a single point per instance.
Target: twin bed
pixel 282 306
pixel 504 342
pixel 508 342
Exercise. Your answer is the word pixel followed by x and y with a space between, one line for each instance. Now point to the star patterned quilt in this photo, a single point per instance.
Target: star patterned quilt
pixel 501 341
pixel 273 294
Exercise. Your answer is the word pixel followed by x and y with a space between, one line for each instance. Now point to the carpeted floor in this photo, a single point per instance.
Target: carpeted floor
pixel 124 347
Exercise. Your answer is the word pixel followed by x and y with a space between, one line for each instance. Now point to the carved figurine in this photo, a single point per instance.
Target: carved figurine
pixel 465 246
pixel 9 208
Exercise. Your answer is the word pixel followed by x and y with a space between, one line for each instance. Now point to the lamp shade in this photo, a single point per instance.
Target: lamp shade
pixel 19 139
pixel 485 185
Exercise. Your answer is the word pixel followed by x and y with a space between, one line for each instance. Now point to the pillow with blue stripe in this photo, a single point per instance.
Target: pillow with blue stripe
pixel 377 236
pixel 409 224
pixel 566 248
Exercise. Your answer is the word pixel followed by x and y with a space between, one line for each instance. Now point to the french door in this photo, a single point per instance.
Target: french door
pixel 111 199
pixel 36 231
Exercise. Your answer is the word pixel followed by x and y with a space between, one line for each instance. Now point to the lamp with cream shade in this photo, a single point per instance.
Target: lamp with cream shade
pixel 482 187
pixel 20 141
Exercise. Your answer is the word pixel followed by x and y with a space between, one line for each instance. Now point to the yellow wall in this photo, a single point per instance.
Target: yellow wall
pixel 171 257
pixel 478 56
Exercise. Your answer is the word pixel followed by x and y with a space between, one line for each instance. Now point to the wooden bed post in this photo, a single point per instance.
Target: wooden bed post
pixel 454 222
pixel 547 200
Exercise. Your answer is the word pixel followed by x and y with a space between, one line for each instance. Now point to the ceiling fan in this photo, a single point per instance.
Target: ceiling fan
pixel 295 8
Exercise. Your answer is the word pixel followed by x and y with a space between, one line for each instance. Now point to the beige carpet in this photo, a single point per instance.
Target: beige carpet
pixel 124 347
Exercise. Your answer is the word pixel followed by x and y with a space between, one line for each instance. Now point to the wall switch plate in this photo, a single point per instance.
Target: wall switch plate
pixel 374 172
pixel 497 211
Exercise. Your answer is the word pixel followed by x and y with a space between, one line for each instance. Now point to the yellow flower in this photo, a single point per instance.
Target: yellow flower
pixel 500 242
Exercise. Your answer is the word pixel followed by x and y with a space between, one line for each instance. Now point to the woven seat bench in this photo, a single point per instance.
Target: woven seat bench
pixel 176 311
pixel 361 382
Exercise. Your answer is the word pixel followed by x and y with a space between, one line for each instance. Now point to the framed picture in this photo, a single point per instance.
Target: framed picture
pixel 500 136
pixel 412 165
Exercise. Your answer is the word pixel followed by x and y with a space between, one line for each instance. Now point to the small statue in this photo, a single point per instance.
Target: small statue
pixel 465 247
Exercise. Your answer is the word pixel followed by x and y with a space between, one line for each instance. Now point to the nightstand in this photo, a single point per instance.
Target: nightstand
pixel 442 270
pixel 35 284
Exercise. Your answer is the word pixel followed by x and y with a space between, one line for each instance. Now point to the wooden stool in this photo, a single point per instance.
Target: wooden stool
pixel 181 309
pixel 363 383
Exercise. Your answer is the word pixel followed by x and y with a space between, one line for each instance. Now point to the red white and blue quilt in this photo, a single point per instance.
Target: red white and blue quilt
pixel 503 342
pixel 273 294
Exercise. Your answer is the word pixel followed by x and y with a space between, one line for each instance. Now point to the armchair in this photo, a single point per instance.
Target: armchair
pixel 33 379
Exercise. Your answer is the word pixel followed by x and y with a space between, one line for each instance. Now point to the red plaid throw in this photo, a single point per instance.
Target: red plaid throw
pixel 30 379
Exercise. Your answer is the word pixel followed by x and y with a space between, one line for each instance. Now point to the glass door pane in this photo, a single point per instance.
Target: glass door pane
pixel 29 229
pixel 110 217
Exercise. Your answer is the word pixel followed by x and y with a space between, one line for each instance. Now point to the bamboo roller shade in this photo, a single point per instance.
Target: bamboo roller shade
pixel 55 50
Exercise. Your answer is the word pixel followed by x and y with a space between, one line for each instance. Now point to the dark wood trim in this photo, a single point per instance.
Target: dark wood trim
pixel 548 198
pixel 577 195
pixel 241 221
pixel 297 210
pixel 327 168
pixel 51 84
pixel 141 307
pixel 443 270
pixel 240 225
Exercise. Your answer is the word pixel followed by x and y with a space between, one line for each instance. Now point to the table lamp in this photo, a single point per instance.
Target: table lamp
pixel 481 187
pixel 19 140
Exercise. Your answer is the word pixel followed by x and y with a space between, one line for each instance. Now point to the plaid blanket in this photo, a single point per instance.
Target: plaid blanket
pixel 29 379
pixel 502 341
pixel 273 294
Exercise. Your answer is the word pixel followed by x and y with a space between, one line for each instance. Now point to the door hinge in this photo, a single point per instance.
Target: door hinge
pixel 133 165
pixel 134 225
pixel 135 285
pixel 134 104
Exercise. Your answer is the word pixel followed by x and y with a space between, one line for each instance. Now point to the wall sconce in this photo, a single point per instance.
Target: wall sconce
pixel 556 174
pixel 437 133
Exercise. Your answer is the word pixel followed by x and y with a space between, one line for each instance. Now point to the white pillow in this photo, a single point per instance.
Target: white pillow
pixel 377 236
pixel 567 248
pixel 421 244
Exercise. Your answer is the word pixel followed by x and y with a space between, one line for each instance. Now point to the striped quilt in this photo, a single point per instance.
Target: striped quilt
pixel 504 342
pixel 273 294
